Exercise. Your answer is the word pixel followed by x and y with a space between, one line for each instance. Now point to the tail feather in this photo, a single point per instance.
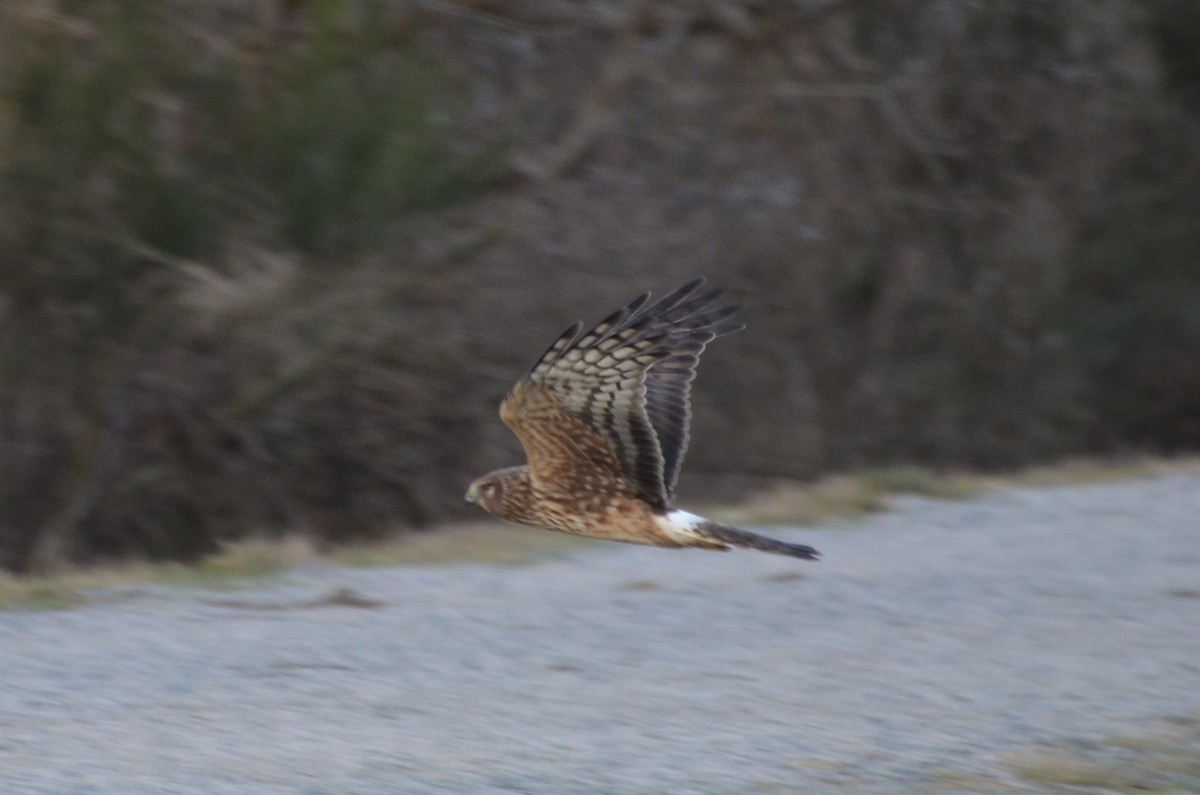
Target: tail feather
pixel 688 530
pixel 733 537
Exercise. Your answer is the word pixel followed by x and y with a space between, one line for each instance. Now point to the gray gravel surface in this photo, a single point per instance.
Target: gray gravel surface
pixel 939 636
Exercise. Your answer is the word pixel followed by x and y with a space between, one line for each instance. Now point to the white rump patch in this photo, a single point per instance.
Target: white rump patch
pixel 679 525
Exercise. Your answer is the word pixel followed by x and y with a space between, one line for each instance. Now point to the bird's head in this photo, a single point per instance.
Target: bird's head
pixel 505 492
pixel 487 492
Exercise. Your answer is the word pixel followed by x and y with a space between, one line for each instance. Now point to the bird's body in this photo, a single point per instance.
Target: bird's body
pixel 603 418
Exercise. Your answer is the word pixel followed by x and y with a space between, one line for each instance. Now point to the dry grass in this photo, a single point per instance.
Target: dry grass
pixel 851 496
pixel 1074 471
pixel 248 561
pixel 39 593
pixel 473 542
pixel 238 563
pixel 838 497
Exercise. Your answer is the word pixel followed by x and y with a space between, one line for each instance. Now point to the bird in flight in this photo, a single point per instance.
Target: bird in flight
pixel 603 416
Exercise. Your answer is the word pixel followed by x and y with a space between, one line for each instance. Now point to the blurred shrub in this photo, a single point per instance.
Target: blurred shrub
pixel 1134 321
pixel 141 137
pixel 353 128
pixel 242 289
pixel 146 120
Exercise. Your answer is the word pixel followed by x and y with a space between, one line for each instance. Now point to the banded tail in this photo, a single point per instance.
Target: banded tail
pixel 689 530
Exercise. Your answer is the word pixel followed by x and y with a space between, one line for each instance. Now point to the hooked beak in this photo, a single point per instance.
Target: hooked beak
pixel 472 494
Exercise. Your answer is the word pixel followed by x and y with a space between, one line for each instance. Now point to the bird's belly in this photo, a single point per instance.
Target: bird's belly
pixel 625 519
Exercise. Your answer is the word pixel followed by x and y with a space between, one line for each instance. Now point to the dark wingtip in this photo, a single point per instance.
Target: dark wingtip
pixel 636 304
pixel 731 327
pixel 802 551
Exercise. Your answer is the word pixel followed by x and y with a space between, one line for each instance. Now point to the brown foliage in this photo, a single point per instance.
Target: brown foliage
pixel 276 270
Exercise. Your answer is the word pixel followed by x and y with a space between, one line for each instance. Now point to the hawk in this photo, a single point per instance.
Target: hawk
pixel 603 417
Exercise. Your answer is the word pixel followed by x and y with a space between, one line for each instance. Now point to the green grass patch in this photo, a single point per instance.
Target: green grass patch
pixel 959 782
pixel 1164 760
pixel 38 593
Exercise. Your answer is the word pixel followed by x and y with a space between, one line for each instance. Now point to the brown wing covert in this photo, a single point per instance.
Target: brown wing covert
pixel 630 378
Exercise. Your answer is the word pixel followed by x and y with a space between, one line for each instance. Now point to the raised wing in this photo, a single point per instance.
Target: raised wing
pixel 629 380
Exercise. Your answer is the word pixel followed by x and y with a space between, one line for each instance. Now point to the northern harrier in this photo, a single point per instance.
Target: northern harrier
pixel 603 417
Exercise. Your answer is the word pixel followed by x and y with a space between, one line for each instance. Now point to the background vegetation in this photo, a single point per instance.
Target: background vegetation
pixel 268 267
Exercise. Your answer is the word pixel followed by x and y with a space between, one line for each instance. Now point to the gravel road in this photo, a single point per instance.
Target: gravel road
pixel 939 636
